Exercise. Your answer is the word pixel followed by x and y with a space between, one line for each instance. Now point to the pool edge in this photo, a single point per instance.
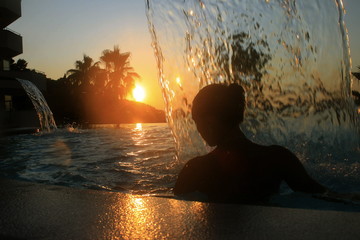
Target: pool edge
pixel 33 210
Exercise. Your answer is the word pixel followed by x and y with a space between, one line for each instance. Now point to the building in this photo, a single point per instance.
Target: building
pixel 16 109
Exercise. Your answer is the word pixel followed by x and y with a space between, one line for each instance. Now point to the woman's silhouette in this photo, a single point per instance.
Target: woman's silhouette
pixel 237 170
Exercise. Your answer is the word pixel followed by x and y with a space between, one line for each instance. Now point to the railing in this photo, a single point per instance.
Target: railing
pixel 12 31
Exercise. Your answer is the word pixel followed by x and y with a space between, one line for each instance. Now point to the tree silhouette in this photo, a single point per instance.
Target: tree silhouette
pixel 121 76
pixel 357 74
pixel 20 65
pixel 85 72
pixel 356 94
pixel 245 60
pixel 92 94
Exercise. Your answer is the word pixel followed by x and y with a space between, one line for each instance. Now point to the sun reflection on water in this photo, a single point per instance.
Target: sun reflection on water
pixel 138 127
pixel 62 152
pixel 138 134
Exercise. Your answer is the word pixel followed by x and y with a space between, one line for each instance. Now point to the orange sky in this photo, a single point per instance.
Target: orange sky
pixel 57 33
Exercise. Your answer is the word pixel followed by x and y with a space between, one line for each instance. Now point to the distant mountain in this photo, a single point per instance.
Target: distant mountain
pixel 126 112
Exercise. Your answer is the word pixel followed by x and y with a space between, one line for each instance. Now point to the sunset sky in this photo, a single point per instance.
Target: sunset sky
pixel 57 33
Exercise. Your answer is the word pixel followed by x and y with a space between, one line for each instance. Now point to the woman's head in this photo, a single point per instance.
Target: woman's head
pixel 217 109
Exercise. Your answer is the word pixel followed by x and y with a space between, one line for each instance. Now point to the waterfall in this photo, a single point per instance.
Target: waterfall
pixel 291 56
pixel 47 122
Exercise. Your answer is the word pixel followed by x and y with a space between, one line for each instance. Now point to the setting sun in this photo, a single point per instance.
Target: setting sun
pixel 138 93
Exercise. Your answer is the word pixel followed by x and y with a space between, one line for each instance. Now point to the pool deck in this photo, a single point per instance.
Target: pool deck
pixel 37 211
pixel 15 131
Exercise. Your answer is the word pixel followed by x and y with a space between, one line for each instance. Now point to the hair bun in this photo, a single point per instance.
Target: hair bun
pixel 224 101
pixel 236 94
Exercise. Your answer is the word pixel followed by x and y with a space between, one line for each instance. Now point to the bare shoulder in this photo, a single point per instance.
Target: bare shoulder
pixel 191 174
pixel 196 162
pixel 280 150
pixel 275 154
pixel 279 154
pixel 194 167
pixel 275 158
pixel 284 158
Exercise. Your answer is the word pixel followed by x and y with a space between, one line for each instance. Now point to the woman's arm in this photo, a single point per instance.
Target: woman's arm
pixel 295 174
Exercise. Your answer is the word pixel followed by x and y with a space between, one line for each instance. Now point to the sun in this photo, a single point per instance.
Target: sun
pixel 138 93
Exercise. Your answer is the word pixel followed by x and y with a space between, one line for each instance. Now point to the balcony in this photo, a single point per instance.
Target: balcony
pixel 10 10
pixel 8 79
pixel 10 43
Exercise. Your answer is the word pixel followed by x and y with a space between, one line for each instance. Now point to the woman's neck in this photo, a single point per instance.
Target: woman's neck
pixel 234 139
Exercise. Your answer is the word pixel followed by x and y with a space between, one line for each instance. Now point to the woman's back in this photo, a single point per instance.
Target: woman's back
pixel 238 170
pixel 234 175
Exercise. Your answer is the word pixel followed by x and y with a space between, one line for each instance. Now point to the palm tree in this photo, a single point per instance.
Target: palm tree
pixel 85 72
pixel 357 74
pixel 121 76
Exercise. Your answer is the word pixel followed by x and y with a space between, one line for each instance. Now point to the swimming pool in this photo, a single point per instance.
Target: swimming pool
pixel 141 159
pixel 136 158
